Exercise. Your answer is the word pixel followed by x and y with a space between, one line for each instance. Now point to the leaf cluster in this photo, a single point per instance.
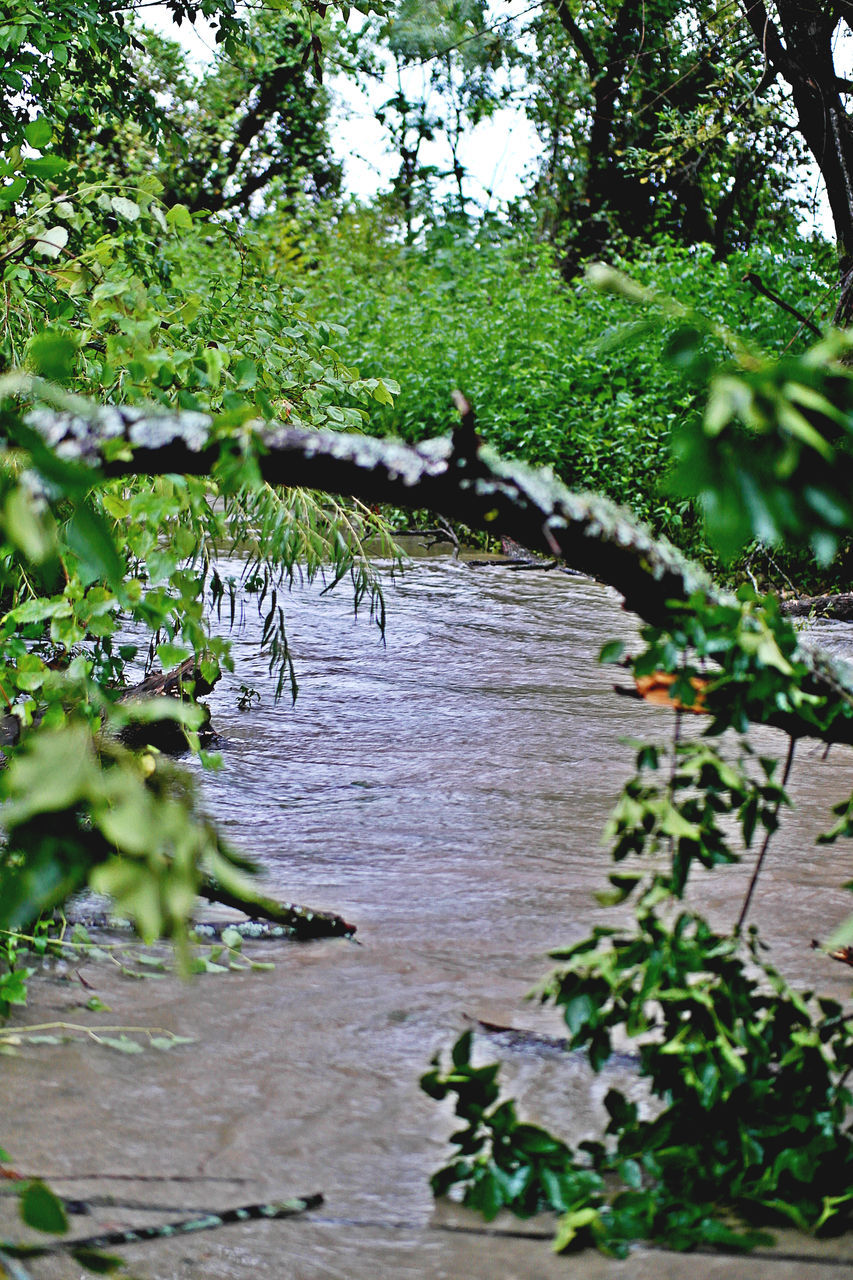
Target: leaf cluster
pixel 751 1119
pixel 747 1122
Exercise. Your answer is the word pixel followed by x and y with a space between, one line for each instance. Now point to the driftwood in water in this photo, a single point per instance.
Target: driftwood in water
pixel 839 607
pixel 520 1038
pixel 85 1249
pixel 301 922
pixel 184 682
pixel 267 918
pixel 10 730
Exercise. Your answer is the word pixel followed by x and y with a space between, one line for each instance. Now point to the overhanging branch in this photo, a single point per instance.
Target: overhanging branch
pixel 589 532
pixel 445 475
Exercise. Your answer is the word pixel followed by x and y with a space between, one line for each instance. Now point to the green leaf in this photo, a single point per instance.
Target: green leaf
pixel 122 1044
pixel 135 888
pixel 179 218
pixel 382 393
pixel 45 167
pixel 461 1053
pixel 90 538
pixel 110 289
pixel 673 823
pixel 631 1173
pixel 165 1043
pixel 623 887
pixel 38 133
pixel 29 526
pixel 172 655
pixel 127 209
pixel 578 1011
pixel 51 241
pixel 52 355
pixel 94 1260
pixel 571 1224
pixel 12 191
pixel 245 374
pixel 612 651
pixel 55 771
pixel 41 1209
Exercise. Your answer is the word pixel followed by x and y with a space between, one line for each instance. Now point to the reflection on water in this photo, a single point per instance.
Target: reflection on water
pixel 446 791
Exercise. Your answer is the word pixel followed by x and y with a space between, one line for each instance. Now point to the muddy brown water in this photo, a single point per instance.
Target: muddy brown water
pixel 446 792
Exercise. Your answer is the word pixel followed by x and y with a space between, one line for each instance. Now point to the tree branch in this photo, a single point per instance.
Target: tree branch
pixel 589 532
pixel 753 278
pixel 767 36
pixel 532 507
pixel 577 37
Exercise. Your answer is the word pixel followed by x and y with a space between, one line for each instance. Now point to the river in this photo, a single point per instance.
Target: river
pixel 446 792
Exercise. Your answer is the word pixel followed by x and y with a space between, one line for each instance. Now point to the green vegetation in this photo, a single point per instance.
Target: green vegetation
pixel 177 240
pixel 559 374
pixel 735 1060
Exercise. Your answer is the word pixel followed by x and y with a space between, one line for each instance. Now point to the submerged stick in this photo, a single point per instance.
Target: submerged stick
pixel 208 1222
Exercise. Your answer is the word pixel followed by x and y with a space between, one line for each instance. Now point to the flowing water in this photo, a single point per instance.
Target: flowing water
pixel 446 792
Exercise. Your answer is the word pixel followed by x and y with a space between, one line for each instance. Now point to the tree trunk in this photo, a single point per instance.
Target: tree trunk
pixel 800 50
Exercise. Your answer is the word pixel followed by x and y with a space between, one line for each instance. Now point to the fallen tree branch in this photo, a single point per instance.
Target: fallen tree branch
pixel 301 922
pixel 503 562
pixel 839 607
pixel 183 683
pixel 589 532
pixel 449 475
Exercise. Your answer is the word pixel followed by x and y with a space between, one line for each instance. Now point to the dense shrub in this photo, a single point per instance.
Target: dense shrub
pixel 558 373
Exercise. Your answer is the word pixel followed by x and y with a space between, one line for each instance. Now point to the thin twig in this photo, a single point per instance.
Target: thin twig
pixel 753 278
pixel 771 830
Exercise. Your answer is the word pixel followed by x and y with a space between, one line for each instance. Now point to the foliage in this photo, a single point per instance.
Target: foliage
pixel 738 1066
pixel 43 1210
pixel 53 940
pixel 734 1059
pixel 651 125
pixel 771 457
pixel 768 456
pixel 125 298
pixel 446 64
pixel 242 129
pixel 70 59
pixel 73 60
pixel 559 376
